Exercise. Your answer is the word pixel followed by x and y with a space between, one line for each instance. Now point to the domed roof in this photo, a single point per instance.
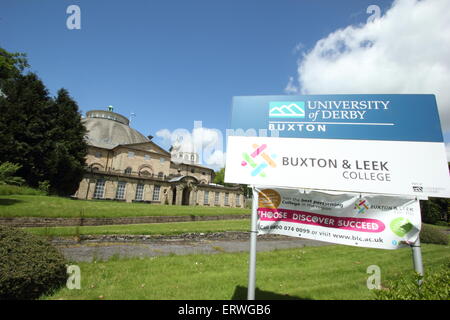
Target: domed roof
pixel 107 129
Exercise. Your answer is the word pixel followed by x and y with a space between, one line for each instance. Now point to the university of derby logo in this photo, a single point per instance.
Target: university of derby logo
pixel 287 109
pixel 258 153
pixel 361 205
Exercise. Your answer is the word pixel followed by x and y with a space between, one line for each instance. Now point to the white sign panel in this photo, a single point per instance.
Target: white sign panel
pixel 388 144
pixel 372 221
pixel 385 167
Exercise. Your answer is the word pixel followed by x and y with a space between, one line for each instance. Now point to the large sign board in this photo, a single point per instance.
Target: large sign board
pixel 372 221
pixel 389 144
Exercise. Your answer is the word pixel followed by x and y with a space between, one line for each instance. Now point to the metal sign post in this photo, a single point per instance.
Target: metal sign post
pixel 417 258
pixel 252 260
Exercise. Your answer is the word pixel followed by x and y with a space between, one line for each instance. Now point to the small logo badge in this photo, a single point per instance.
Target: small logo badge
pixel 361 206
pixel 401 226
pixel 287 109
pixel 257 168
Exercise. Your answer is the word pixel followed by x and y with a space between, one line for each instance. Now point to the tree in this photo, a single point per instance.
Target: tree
pixel 434 210
pixel 67 161
pixel 44 135
pixel 219 176
pixel 11 64
pixel 25 122
pixel 7 171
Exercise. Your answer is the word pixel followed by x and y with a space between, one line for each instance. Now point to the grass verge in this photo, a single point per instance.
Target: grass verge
pixel 50 206
pixel 329 272
pixel 145 229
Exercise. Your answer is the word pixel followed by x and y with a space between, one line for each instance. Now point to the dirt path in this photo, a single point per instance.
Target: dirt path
pixel 103 249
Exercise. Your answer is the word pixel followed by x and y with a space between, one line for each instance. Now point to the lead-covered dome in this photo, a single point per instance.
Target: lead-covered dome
pixel 107 129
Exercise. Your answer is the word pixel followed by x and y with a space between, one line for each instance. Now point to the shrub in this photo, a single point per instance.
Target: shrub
pixel 435 286
pixel 29 266
pixel 442 223
pixel 44 186
pixel 430 234
pixel 7 171
pixel 16 190
pixel 433 210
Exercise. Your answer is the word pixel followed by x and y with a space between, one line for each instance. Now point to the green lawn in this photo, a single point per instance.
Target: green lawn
pixel 146 229
pixel 48 206
pixel 330 272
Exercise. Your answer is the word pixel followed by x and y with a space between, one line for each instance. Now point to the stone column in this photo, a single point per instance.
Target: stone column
pixel 193 196
pixel 179 199
pixel 170 196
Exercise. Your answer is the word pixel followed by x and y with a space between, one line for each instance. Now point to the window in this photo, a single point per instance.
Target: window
pixel 99 189
pixel 238 200
pixel 147 157
pixel 128 170
pixel 130 154
pixel 120 193
pixel 192 170
pixel 160 175
pixel 226 198
pixel 156 191
pixel 139 191
pixel 98 154
pixel 192 157
pixel 206 196
pixel 145 173
pixel 216 198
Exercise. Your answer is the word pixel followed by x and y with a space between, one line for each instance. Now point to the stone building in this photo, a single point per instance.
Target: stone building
pixel 124 165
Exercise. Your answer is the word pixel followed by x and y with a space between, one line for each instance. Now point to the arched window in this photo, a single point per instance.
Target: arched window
pixel 96 167
pixel 128 170
pixel 160 175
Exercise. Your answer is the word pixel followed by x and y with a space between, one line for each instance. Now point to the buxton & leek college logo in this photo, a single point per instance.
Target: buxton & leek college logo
pixel 361 205
pixel 258 160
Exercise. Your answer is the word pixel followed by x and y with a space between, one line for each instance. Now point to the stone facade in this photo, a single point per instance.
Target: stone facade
pixel 132 168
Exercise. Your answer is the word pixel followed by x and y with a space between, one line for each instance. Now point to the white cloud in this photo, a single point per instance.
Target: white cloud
pixel 216 160
pixel 207 143
pixel 407 50
pixel 165 135
pixel 291 88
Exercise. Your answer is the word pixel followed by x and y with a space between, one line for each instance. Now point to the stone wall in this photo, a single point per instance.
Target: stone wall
pixel 62 222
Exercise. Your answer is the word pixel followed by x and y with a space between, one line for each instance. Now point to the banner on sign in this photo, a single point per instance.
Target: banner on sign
pixel 354 143
pixel 372 221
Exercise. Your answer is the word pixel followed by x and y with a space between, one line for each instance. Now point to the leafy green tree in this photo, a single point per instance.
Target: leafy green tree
pixel 44 135
pixel 434 210
pixel 69 149
pixel 219 176
pixel 7 172
pixel 25 121
pixel 11 64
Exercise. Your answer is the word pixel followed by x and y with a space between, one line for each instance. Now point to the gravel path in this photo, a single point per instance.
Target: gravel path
pixel 103 249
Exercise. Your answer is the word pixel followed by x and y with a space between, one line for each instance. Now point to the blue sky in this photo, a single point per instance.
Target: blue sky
pixel 171 61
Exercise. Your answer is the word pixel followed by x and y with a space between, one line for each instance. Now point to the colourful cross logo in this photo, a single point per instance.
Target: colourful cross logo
pixel 257 169
pixel 361 206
